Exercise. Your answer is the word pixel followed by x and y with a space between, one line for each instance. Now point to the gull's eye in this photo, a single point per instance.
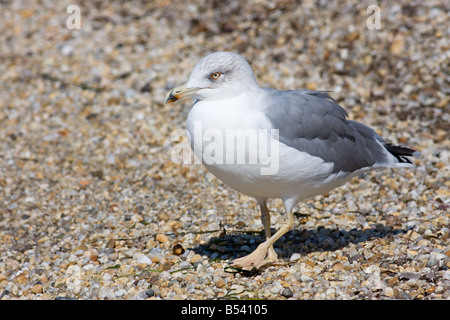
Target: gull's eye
pixel 216 75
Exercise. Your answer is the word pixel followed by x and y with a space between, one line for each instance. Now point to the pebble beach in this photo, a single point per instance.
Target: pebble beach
pixel 94 207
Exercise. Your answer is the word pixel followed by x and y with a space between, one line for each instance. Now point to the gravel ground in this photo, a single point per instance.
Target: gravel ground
pixel 91 207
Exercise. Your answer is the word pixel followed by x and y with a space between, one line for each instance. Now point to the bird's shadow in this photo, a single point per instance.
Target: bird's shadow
pixel 232 245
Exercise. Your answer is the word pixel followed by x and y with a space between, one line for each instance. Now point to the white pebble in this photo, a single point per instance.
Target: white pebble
pixel 446 275
pixel 142 258
pixel 295 257
pixel 120 293
pixel 237 288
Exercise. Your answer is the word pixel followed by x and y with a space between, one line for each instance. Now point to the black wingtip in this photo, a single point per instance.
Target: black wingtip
pixel 401 153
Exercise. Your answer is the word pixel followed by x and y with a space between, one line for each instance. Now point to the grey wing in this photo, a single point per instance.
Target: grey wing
pixel 311 121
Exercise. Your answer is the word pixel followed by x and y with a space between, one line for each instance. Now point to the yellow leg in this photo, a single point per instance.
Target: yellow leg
pixel 265 219
pixel 265 254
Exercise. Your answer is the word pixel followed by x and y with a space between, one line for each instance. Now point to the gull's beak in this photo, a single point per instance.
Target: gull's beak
pixel 180 93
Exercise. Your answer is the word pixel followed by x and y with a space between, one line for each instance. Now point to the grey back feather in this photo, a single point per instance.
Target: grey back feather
pixel 311 121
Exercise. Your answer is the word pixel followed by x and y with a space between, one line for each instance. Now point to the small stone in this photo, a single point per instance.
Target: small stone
pixel 147 87
pixel 113 256
pixel 149 293
pixel 161 238
pixel 397 45
pixel 432 262
pixel 372 269
pixel 37 288
pixel 220 283
pixel 84 183
pixel 237 288
pixel 93 254
pixel 67 50
pixel 295 257
pixel 388 292
pixel 430 289
pixel 142 258
pixel 446 275
pixel 287 293
pixel 155 259
pixel 409 276
pixel 337 266
pixel 119 293
pixel 331 293
pixel 5 293
pixel 311 86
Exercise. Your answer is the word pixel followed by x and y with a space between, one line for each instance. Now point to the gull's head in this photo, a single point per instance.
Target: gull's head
pixel 220 75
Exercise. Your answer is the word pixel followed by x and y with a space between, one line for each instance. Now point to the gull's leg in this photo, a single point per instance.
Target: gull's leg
pixel 257 258
pixel 265 219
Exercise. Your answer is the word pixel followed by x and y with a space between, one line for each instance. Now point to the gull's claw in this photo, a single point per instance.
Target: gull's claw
pixel 262 256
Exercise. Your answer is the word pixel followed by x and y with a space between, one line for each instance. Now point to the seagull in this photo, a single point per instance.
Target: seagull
pixel 269 143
